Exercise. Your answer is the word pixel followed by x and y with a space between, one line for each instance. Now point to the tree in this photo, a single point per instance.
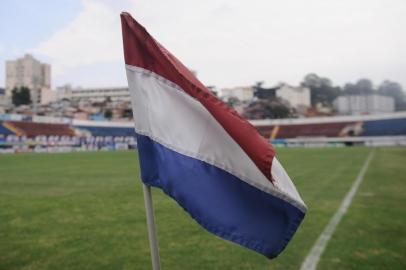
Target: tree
pixel 127 113
pixel 276 109
pixel 233 101
pixel 108 114
pixel 21 96
pixel 361 87
pixel 322 90
pixel 395 90
pixel 350 89
pixel 267 108
pixel 365 86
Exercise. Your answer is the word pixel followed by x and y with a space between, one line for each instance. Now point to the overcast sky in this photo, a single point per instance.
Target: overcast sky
pixel 228 43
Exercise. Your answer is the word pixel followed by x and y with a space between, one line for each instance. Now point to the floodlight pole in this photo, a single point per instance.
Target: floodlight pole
pixel 153 242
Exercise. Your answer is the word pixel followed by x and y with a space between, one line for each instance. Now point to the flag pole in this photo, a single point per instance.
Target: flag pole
pixel 153 243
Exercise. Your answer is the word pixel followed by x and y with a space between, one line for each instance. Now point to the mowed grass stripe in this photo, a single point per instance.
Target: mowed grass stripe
pixel 372 235
pixel 322 191
pixel 312 259
pixel 85 211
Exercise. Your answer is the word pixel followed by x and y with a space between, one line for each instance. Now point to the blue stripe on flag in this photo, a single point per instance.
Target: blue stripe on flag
pixel 219 201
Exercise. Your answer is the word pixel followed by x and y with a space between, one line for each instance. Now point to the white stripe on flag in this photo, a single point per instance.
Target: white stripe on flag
pixel 181 129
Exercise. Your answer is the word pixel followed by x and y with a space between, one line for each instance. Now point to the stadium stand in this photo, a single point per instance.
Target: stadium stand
pixel 337 126
pixel 32 129
pixel 45 134
pixel 5 131
pixel 387 127
pixel 108 131
pixel 305 130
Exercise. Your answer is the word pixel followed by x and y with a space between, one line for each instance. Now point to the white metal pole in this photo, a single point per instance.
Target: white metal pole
pixel 153 243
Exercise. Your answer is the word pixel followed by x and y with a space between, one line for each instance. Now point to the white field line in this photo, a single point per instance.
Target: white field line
pixel 313 257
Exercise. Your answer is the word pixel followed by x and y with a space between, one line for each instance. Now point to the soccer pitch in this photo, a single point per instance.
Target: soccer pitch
pixel 86 211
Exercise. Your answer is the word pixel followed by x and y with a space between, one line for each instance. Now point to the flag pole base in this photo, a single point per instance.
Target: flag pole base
pixel 153 242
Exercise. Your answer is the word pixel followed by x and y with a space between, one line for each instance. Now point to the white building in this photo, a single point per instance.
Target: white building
pixel 4 103
pixel 31 73
pixel 296 96
pixel 243 93
pixel 367 104
pixel 93 94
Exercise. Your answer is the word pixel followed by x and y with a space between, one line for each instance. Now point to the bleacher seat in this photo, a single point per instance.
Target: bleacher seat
pixel 109 131
pixel 311 130
pixel 385 127
pixel 32 129
pixel 5 131
pixel 117 134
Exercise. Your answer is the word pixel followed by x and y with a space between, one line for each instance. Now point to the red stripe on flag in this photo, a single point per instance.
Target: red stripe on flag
pixel 142 50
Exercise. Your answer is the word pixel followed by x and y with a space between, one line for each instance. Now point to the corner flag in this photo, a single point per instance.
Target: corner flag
pixel 203 154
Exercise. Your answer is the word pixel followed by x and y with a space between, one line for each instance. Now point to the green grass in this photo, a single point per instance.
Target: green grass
pixel 85 211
